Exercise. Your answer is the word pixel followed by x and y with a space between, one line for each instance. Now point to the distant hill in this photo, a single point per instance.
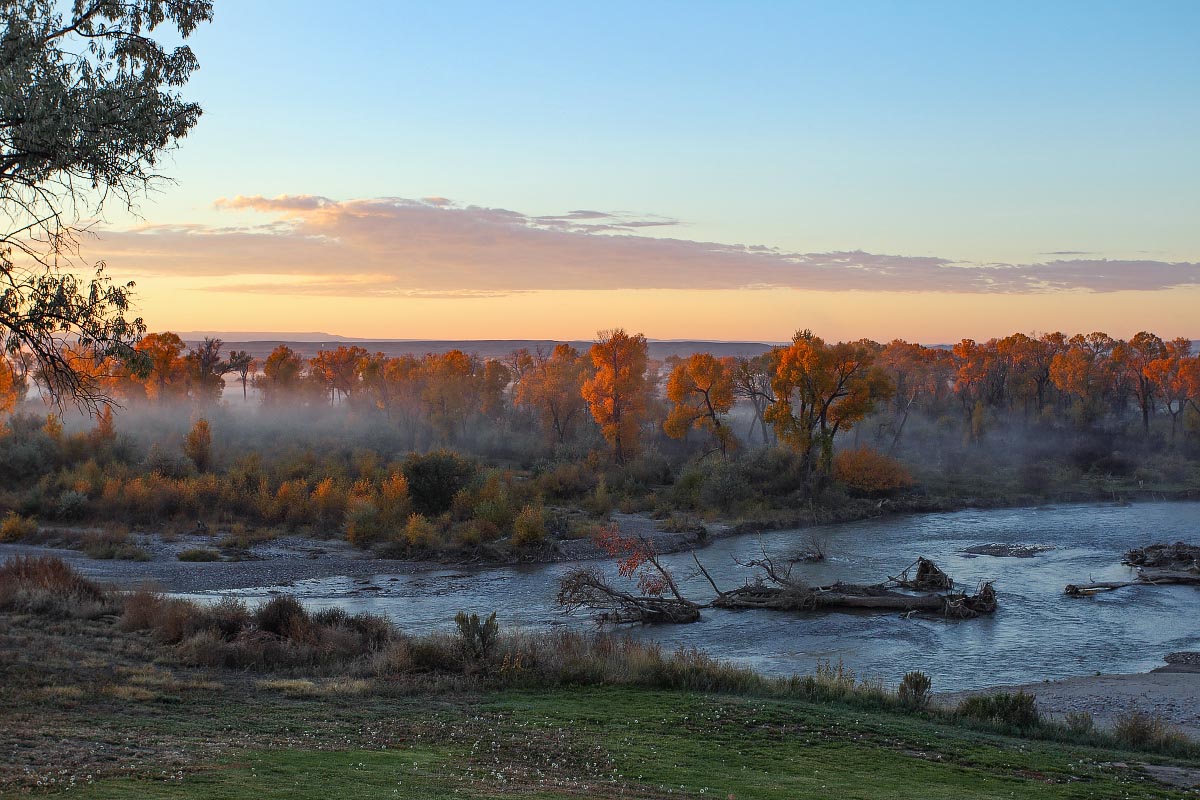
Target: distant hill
pixel 309 344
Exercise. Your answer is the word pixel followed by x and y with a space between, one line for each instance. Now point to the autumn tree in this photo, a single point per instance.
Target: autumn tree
pixel 700 389
pixel 552 387
pixel 338 370
pixel 451 391
pixel 167 374
pixel 821 390
pixel 1171 375
pixel 1084 370
pixel 1132 359
pixel 617 393
pixel 283 371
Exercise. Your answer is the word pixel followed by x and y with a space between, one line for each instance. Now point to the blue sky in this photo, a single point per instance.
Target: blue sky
pixel 972 132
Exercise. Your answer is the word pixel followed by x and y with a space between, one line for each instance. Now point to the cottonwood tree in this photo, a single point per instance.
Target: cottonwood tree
pixel 700 388
pixel 89 102
pixel 552 387
pixel 241 363
pixel 820 390
pixel 618 393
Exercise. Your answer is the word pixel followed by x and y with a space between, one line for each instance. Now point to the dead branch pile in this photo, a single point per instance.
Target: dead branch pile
pixel 1157 565
pixel 776 590
pixel 928 577
pixel 584 588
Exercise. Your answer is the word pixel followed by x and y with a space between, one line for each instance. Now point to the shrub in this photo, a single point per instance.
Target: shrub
pixel 1002 708
pixel 434 478
pixel 914 689
pixel 477 639
pixel 199 554
pixel 1144 731
pixel 1079 722
pixel 14 527
pixel 529 528
pixel 282 616
pixel 197 445
pixel 71 504
pixel 420 533
pixel 48 585
pixel 364 523
pixel 868 472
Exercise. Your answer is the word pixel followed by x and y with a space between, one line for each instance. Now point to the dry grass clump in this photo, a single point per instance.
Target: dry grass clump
pixel 1144 731
pixel 47 585
pixel 14 527
pixel 278 634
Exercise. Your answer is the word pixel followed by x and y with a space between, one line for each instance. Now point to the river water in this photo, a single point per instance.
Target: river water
pixel 1038 632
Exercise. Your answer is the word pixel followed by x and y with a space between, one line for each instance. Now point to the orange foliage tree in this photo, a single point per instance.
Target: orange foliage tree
pixel 551 386
pixel 618 393
pixel 700 388
pixel 821 389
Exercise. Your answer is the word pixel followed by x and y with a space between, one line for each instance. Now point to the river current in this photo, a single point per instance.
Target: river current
pixel 1037 633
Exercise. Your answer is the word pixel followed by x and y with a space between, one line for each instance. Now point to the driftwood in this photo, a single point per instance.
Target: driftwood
pixel 585 588
pixel 1171 557
pixel 1157 565
pixel 778 591
pixel 928 577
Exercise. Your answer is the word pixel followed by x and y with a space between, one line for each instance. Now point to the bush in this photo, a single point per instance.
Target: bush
pixel 14 527
pixel 865 471
pixel 1079 722
pixel 1147 732
pixel 914 689
pixel 420 533
pixel 199 554
pixel 529 528
pixel 476 638
pixel 71 505
pixel 282 616
pixel 47 585
pixel 364 523
pixel 1002 708
pixel 434 478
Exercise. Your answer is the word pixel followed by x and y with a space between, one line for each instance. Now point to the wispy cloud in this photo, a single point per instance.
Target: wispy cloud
pixel 433 247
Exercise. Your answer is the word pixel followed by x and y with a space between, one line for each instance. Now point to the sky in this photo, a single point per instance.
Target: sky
pixel 930 171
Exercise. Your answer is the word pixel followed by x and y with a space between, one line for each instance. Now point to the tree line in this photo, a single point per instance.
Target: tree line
pixel 802 395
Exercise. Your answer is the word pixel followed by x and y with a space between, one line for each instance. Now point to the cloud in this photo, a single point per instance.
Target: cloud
pixel 433 247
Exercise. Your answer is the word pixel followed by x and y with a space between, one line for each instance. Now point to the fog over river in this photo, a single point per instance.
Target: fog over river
pixel 1037 632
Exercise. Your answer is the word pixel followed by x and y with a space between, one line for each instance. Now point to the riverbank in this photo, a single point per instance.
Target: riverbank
pixel 1172 696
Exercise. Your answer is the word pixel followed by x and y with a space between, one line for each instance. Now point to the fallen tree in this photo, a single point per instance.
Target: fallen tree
pixel 659 600
pixel 1157 565
pixel 777 590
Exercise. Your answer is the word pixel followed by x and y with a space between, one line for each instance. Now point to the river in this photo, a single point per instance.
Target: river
pixel 1038 633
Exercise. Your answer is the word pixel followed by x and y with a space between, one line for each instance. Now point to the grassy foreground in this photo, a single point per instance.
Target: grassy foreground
pixel 92 712
pixel 106 694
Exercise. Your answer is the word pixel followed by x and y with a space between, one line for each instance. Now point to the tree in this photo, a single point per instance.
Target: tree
pixel 338 369
pixel 752 381
pixel 617 393
pixel 206 369
pixel 241 363
pixel 281 376
pixel 165 371
pixel 700 387
pixel 1170 375
pixel 88 103
pixel 552 387
pixel 1133 358
pixel 820 390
